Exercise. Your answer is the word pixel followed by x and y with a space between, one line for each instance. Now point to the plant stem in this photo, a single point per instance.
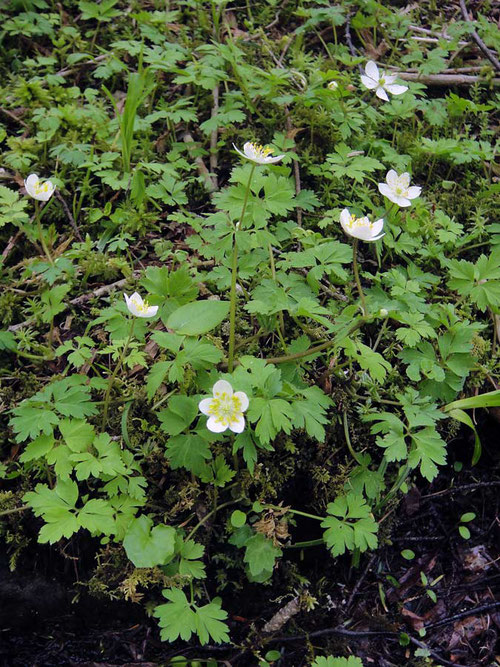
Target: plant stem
pixel 356 276
pixel 234 275
pixel 38 215
pixel 16 510
pixel 302 545
pixel 292 511
pixel 281 325
pixel 211 513
pixel 348 441
pixel 113 376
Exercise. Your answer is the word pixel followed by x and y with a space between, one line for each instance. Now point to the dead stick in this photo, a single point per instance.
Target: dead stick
pixel 487 52
pixel 69 215
pixel 202 167
pixel 446 79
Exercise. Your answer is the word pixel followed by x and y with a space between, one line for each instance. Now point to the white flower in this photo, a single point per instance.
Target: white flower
pixel 225 408
pixel 398 190
pixel 138 307
pixel 361 228
pixel 381 82
pixel 38 190
pixel 258 153
pixel 333 85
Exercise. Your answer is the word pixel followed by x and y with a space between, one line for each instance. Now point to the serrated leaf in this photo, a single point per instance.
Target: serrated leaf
pixel 188 451
pixel 260 554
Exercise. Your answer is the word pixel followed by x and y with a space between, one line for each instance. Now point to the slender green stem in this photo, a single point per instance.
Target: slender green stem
pixel 234 275
pixel 211 513
pixel 281 321
pixel 292 511
pixel 113 376
pixel 16 510
pixel 302 545
pixel 348 441
pixel 38 215
pixel 356 276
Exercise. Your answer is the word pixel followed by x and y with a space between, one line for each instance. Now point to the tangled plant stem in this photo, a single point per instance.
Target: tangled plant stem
pixel 114 374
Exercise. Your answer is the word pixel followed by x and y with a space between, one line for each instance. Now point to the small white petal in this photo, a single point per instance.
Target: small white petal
pixel 396 89
pixel 216 426
pixel 404 180
pixel 368 82
pixel 243 400
pixel 222 387
pixel 392 178
pixel 363 233
pixel 204 405
pixel 377 227
pixel 385 190
pixel 271 160
pixel 238 151
pixel 414 192
pixel 371 70
pixel 380 92
pixel 389 78
pixel 376 238
pixel 238 425
pixel 345 219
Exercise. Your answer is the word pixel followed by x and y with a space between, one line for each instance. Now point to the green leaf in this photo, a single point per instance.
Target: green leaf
pixel 156 376
pixel 97 516
pixel 272 416
pixel 77 434
pixel 330 661
pixel 188 451
pixel 238 518
pixel 179 414
pixel 38 448
pixel 260 554
pixel 176 617
pixel 350 525
pixel 209 623
pixel 198 317
pixel 147 546
pixel 189 563
pixel 429 451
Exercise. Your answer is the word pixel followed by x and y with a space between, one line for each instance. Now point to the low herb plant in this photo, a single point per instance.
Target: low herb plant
pixel 291 319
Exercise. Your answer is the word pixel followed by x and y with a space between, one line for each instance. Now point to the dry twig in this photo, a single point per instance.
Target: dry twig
pixel 487 52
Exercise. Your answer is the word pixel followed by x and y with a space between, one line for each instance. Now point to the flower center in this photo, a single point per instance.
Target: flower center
pixel 39 188
pixel 260 151
pixel 226 409
pixel 141 307
pixel 382 81
pixel 359 222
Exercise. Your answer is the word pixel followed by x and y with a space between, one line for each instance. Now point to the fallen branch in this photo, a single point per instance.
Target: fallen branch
pixel 79 300
pixel 202 167
pixel 487 52
pixel 447 79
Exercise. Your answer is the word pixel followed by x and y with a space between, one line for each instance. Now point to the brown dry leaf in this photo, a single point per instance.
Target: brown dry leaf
pixel 273 526
pixel 476 559
pixel 467 629
pixel 416 621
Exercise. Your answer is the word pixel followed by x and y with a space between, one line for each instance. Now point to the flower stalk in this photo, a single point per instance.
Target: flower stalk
pixel 114 374
pixel 356 276
pixel 234 275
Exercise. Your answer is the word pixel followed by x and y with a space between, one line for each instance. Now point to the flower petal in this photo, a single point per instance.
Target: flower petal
pixel 385 190
pixel 215 425
pixel 345 219
pixel 239 152
pixel 243 400
pixel 371 70
pixel 270 160
pixel 368 82
pixel 204 405
pixel 238 424
pixel 414 192
pixel 392 178
pixel 222 387
pixel 377 227
pixel 395 88
pixel 380 92
pixel 151 311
